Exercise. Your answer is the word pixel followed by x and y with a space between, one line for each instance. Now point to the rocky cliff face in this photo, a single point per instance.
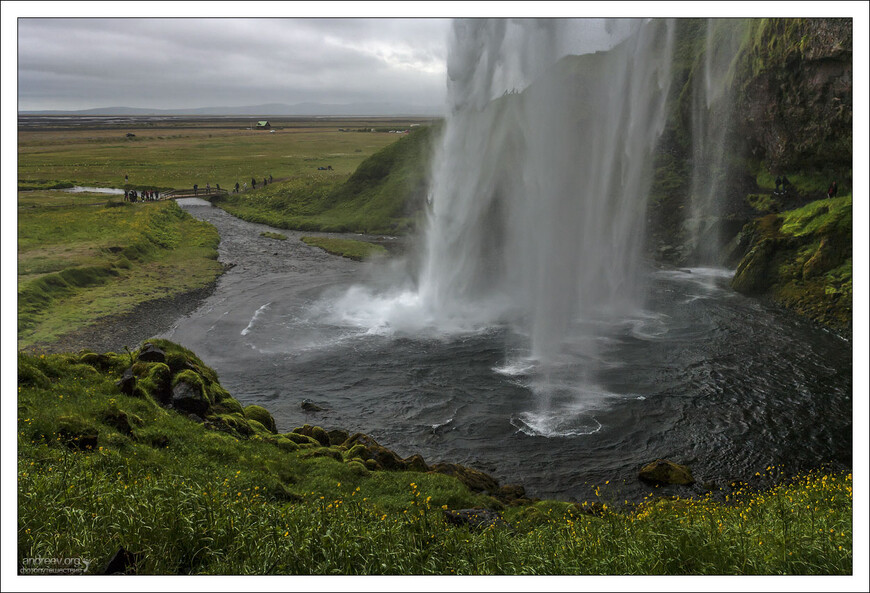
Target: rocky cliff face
pixel 795 103
pixel 788 113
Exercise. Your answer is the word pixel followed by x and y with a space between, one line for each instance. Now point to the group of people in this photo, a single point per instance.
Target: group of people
pixel 244 187
pixel 147 195
pixel 782 181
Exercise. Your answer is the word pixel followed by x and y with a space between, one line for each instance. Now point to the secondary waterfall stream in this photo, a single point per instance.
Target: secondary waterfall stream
pixel 531 339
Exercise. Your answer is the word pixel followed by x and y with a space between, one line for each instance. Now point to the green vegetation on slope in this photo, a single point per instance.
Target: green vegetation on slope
pixel 802 258
pixel 79 263
pixel 100 470
pixel 384 194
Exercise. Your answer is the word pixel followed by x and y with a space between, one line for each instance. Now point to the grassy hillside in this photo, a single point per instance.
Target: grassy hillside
pixel 79 262
pixel 172 474
pixel 383 195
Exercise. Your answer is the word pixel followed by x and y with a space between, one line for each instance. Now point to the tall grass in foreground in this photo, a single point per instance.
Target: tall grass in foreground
pixel 179 526
pixel 188 500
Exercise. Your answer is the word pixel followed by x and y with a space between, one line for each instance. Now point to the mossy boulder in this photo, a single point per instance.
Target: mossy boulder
pixel 476 480
pixel 232 423
pixel 160 381
pixel 98 361
pixel 261 415
pixel 358 468
pixel 337 437
pixel 188 394
pixel 755 274
pixel 662 471
pixel 415 463
pixel 120 420
pixel 315 432
pixel 76 433
pixel 151 353
pixel 358 451
pixel 323 452
pixel 258 427
pixel 229 405
pixel 285 444
pixel 301 439
pixel 383 457
pixel 29 374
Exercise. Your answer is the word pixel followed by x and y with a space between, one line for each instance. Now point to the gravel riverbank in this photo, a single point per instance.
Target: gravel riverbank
pixel 147 320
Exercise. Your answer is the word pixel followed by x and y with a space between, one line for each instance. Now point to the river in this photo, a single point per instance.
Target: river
pixel 703 376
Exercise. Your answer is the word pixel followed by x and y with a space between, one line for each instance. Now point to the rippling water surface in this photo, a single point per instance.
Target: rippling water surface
pixel 702 376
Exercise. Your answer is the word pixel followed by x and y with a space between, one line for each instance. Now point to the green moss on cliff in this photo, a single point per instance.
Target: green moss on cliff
pixel 802 259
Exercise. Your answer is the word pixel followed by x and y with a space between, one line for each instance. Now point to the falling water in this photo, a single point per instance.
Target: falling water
pixel 538 197
pixel 711 115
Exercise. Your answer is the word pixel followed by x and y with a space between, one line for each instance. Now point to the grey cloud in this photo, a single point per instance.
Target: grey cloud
pixel 81 63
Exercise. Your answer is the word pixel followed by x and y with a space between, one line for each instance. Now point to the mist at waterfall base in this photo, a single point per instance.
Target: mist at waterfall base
pixel 530 338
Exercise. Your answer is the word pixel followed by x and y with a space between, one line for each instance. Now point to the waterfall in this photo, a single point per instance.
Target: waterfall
pixel 539 192
pixel 539 189
pixel 711 115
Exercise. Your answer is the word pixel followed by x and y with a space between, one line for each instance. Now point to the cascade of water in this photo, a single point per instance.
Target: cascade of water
pixel 538 198
pixel 711 116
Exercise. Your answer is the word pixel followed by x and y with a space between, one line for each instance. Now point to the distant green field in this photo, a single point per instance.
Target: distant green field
pixel 206 153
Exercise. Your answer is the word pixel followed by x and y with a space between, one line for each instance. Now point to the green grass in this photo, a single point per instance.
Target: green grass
pixel 821 215
pixel 189 500
pixel 349 248
pixel 198 153
pixel 79 263
pixel 384 195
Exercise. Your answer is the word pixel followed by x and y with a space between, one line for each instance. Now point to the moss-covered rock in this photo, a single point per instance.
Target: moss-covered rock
pixel 315 432
pixel 802 259
pixel 662 471
pixel 358 468
pixel 188 394
pixel 476 480
pixel 77 433
pixel 323 452
pixel 229 405
pixel 262 416
pixel 286 444
pixel 120 420
pixel 358 451
pixel 159 379
pixel 301 439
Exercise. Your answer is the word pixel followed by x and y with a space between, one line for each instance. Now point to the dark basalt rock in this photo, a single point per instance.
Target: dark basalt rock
pixel 476 480
pixel 474 518
pixel 151 353
pixel 189 398
pixel 310 406
pixel 662 471
pixel 127 382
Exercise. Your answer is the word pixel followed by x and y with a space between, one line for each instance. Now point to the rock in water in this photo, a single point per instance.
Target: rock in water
pixel 667 472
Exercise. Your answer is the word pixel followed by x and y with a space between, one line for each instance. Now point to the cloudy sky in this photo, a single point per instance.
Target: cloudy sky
pixel 165 55
pixel 80 63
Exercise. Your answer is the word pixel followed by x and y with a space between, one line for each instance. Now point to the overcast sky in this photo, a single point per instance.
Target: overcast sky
pixel 162 63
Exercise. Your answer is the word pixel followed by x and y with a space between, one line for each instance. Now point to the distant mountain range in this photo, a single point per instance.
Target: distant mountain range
pixel 267 110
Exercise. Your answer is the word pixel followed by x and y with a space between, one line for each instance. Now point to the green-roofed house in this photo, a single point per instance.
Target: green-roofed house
pixel 263 125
